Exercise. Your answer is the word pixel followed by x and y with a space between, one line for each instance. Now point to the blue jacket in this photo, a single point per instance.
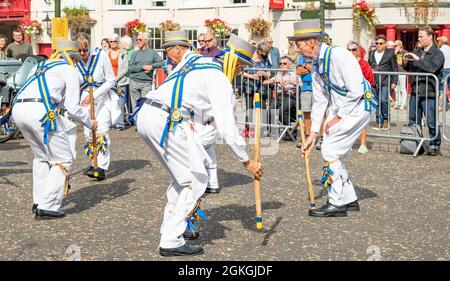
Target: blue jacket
pixel 306 78
pixel 275 57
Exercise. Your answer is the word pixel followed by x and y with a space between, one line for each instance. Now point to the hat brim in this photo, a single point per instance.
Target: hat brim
pixel 175 43
pixel 75 55
pixel 305 36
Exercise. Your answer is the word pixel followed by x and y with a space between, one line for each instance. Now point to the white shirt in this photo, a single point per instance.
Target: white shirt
pixel 62 83
pixel 205 90
pixel 345 72
pixel 378 56
pixel 445 49
pixel 103 72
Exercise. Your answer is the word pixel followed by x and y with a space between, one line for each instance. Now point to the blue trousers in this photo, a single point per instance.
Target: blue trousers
pixel 423 105
pixel 382 112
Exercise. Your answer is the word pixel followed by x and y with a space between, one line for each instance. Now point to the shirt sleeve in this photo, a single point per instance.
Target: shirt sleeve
pixel 320 103
pixel 158 61
pixel 109 76
pixel 351 73
pixel 72 97
pixel 219 92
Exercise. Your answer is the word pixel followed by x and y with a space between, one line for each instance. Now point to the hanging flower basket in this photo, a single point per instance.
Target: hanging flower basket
pixel 79 17
pixel 258 27
pixel 169 25
pixel 134 27
pixel 361 10
pixel 31 28
pixel 219 27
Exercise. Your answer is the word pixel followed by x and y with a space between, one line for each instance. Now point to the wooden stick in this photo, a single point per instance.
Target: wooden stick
pixel 257 100
pixel 312 204
pixel 94 133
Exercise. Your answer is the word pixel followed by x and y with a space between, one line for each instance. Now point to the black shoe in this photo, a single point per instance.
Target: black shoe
pixel 88 171
pixel 185 250
pixel 212 190
pixel 434 150
pixel 188 235
pixel 48 215
pixel 34 208
pixel 329 210
pixel 353 206
pixel 97 173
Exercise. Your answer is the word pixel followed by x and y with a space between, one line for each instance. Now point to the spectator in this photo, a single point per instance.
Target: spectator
pixel 119 62
pixel 142 63
pixel 286 82
pixel 292 51
pixel 390 45
pixel 105 44
pixel 126 43
pixel 429 60
pixel 358 51
pixel 211 48
pixel 253 83
pixel 18 49
pixel 3 44
pixel 383 60
pixel 445 49
pixel 201 42
pixel 274 53
pixel 401 91
pixel 304 70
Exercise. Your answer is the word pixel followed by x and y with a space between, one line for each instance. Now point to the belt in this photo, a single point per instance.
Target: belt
pixel 156 104
pixel 29 100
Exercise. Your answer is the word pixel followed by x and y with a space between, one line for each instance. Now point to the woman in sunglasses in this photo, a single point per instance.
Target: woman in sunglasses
pixel 358 51
pixel 96 67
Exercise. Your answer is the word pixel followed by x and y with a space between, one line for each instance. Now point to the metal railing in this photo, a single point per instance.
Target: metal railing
pixel 445 130
pixel 279 101
pixel 422 107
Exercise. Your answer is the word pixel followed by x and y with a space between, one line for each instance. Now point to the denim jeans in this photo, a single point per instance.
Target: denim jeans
pixel 422 105
pixel 445 72
pixel 122 103
pixel 382 113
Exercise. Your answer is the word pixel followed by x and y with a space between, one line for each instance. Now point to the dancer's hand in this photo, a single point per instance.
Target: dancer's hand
pixel 308 146
pixel 331 123
pixel 255 168
pixel 94 124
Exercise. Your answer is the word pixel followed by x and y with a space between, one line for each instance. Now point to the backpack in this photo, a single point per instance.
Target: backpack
pixel 408 146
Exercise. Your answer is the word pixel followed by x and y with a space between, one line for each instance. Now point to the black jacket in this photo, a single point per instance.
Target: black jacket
pixel 430 62
pixel 388 62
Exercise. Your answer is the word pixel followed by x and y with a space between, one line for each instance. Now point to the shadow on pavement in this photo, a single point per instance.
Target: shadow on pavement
pixel 121 166
pixel 227 179
pixel 212 229
pixel 362 193
pixel 87 197
pixel 12 146
pixel 7 172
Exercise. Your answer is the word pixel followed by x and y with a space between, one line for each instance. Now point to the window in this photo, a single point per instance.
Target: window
pixel 120 31
pixel 156 38
pixel 159 3
pixel 238 1
pixel 192 34
pixel 123 2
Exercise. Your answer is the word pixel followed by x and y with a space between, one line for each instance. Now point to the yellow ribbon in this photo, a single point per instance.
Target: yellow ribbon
pixel 229 63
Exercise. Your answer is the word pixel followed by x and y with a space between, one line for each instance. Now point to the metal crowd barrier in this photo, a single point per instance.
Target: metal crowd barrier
pixel 445 122
pixel 280 101
pixel 412 113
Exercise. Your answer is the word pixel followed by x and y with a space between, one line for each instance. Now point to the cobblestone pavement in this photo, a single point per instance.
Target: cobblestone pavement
pixel 404 208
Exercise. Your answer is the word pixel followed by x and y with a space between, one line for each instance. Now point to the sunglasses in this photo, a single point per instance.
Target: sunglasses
pixel 139 39
pixel 83 50
pixel 353 50
pixel 207 41
pixel 201 41
pixel 270 42
pixel 113 41
pixel 380 43
pixel 284 63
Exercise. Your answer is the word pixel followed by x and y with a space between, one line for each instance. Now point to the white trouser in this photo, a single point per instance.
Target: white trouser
pixel 103 116
pixel 183 156
pixel 336 145
pixel 49 178
pixel 208 135
pixel 401 92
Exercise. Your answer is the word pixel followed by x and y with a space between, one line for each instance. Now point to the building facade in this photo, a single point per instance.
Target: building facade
pixel 111 16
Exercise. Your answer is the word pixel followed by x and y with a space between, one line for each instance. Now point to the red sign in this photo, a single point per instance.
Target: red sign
pixel 14 10
pixel 277 4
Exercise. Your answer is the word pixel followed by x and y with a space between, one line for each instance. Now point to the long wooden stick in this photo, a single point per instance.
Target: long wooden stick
pixel 94 133
pixel 312 204
pixel 257 100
